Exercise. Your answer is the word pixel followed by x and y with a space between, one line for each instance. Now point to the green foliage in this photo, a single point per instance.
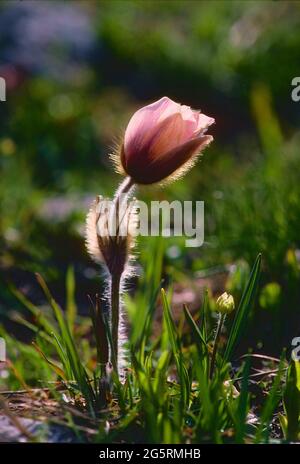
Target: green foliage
pixel 242 313
pixel 167 391
pixel 54 133
pixel 57 132
pixel 291 400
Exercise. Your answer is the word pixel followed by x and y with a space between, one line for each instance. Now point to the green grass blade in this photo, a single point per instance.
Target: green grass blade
pixel 176 349
pixel 77 368
pixel 243 310
pixel 34 310
pixel 291 400
pixel 171 329
pixel 270 405
pixel 71 308
pixel 243 404
pixel 52 364
pixel 203 322
pixel 196 332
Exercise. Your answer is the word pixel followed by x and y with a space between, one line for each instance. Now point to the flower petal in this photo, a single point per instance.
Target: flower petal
pixel 203 122
pixel 161 137
pixel 142 126
pixel 158 168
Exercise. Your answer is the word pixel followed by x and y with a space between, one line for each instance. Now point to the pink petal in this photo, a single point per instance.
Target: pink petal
pixel 158 168
pixel 203 122
pixel 170 133
pixel 160 137
pixel 190 119
pixel 143 123
pixel 170 109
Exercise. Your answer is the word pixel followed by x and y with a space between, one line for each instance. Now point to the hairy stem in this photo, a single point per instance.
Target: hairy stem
pixel 116 276
pixel 216 343
pixel 124 187
pixel 115 314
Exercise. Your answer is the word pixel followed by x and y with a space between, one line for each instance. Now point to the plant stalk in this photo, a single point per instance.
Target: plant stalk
pixel 116 276
pixel 115 315
pixel 216 343
pixel 125 187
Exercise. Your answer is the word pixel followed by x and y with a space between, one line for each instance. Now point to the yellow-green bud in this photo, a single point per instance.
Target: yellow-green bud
pixel 225 303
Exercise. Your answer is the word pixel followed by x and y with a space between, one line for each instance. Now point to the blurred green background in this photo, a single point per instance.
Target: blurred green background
pixel 76 71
